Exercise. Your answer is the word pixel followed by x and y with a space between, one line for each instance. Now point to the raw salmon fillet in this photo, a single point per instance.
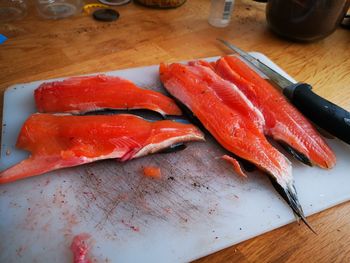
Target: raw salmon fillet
pixel 92 93
pixel 58 141
pixel 234 131
pixel 200 89
pixel 283 121
pixel 228 93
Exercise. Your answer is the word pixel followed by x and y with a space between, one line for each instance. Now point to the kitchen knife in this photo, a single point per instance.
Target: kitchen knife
pixel 322 112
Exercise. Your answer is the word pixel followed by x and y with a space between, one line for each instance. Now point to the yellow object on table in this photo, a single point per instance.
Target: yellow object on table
pixel 88 7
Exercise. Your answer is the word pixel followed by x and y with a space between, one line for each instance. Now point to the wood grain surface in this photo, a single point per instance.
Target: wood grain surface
pixel 42 49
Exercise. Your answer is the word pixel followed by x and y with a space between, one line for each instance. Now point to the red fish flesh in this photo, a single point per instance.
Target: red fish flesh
pixel 92 93
pixel 58 141
pixel 228 93
pixel 152 171
pixel 201 90
pixel 233 130
pixel 80 247
pixel 283 121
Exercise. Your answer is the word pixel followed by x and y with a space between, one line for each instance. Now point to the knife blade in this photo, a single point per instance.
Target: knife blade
pixel 322 112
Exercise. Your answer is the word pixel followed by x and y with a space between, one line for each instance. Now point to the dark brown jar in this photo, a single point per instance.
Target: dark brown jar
pixel 161 3
pixel 305 20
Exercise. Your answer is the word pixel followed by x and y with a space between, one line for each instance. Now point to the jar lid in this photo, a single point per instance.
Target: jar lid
pixel 106 15
pixel 114 2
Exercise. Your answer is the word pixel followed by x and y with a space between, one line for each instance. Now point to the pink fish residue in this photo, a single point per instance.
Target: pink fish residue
pixel 80 247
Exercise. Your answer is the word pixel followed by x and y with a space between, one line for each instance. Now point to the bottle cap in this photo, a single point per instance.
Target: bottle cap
pixel 105 14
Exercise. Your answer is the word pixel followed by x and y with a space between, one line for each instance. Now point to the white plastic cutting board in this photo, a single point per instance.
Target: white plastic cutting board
pixel 198 207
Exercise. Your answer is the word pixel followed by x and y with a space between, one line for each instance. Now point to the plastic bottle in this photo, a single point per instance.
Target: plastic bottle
pixel 220 12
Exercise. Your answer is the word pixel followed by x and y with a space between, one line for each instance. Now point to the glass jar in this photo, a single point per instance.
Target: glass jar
pixel 12 10
pixel 55 9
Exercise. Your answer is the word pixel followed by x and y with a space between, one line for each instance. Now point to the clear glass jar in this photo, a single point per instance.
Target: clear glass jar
pixel 12 10
pixel 56 9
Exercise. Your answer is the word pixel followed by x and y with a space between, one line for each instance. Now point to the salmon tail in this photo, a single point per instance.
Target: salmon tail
pixel 289 194
pixel 308 225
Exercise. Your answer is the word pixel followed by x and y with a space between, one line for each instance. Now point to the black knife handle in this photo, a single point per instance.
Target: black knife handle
pixel 322 112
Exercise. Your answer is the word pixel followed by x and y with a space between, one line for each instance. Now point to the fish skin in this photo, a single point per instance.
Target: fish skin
pixel 58 141
pixel 283 121
pixel 79 95
pixel 228 126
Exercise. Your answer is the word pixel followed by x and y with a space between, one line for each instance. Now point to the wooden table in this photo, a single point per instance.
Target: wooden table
pixel 41 49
